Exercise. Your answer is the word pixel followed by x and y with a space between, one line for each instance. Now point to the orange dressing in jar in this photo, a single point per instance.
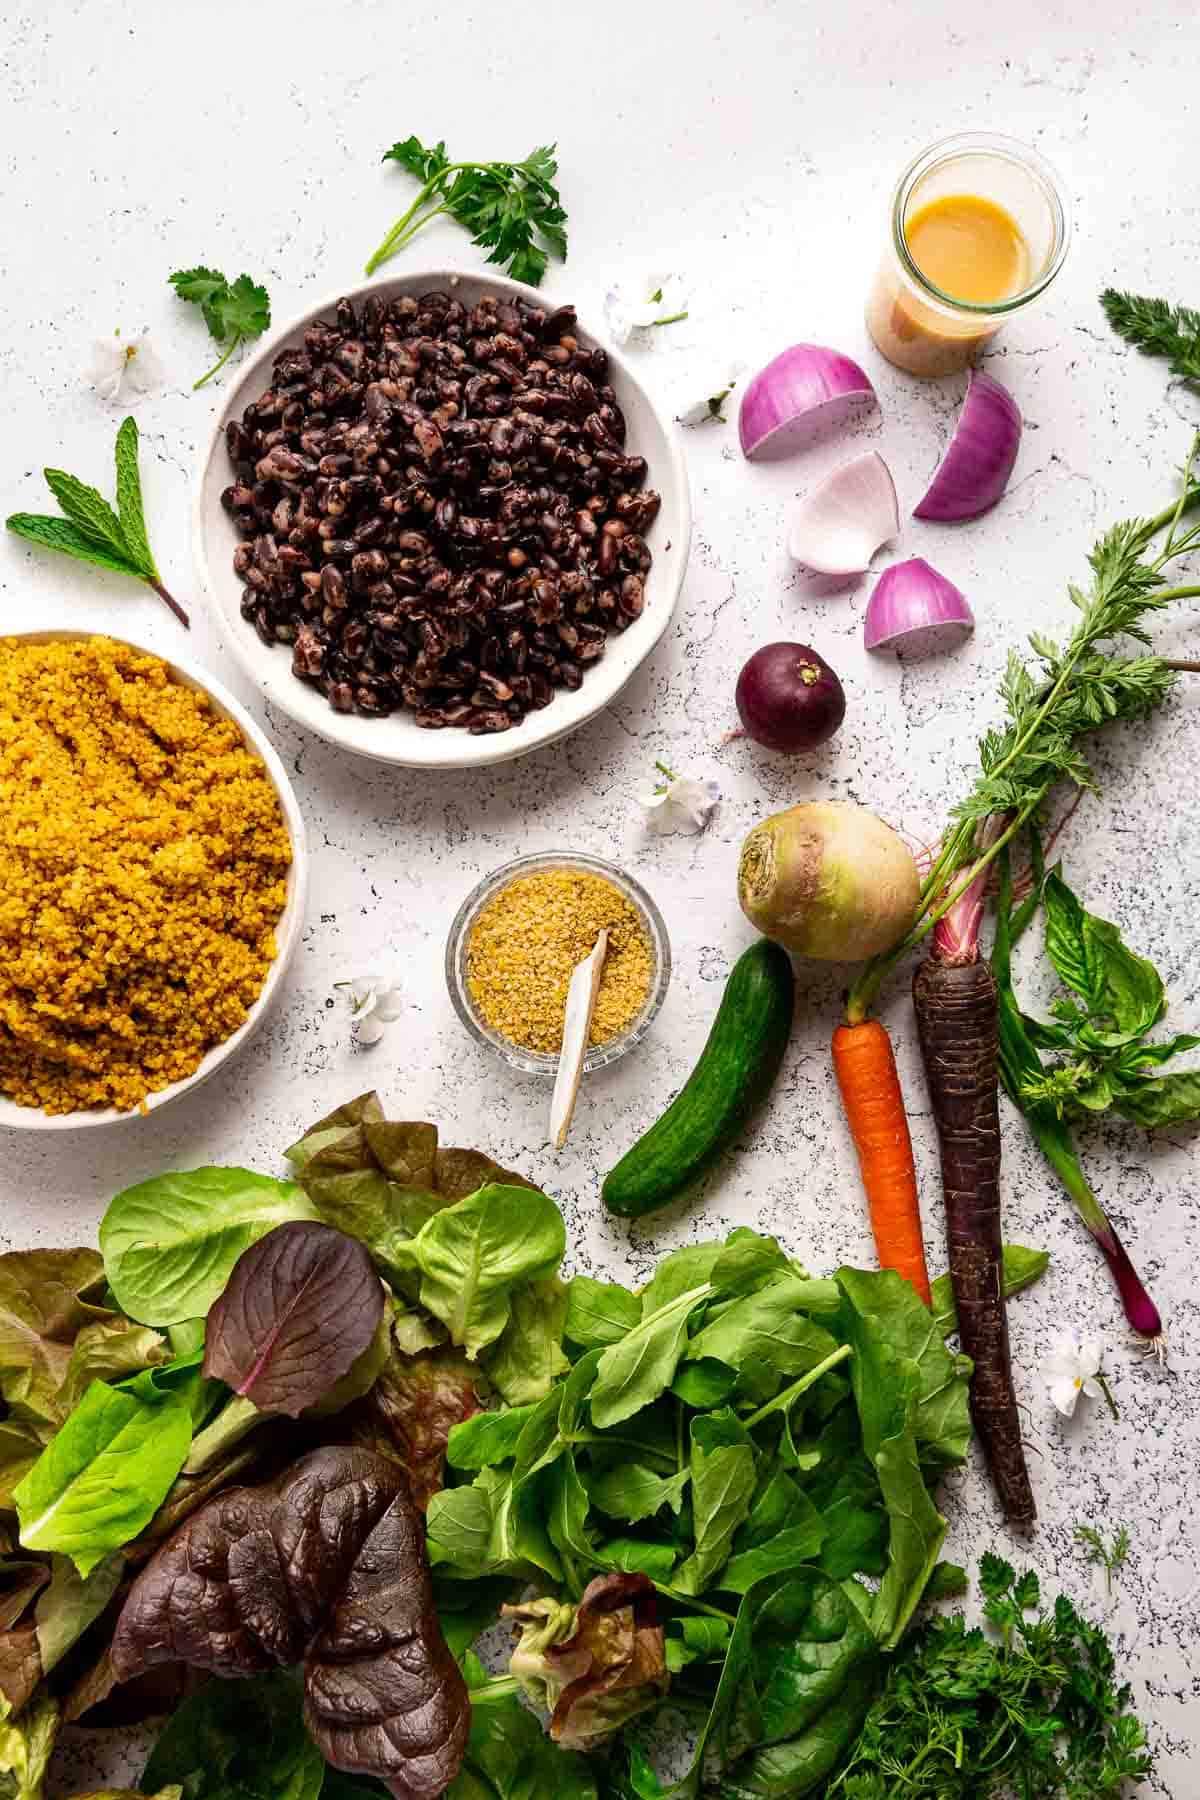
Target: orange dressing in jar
pixel 969 247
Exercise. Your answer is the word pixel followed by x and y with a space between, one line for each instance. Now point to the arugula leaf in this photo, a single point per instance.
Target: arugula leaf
pixel 692 1639
pixel 723 1483
pixel 638 1556
pixel 688 1267
pixel 599 1312
pixel 104 1475
pixel 488 1438
pixel 472 1257
pixel 633 1492
pixel 636 1371
pixel 768 1325
pixel 237 310
pixel 169 1244
pixel 512 209
pixel 91 531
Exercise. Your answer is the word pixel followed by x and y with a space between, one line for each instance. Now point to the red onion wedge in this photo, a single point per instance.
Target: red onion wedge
pixel 798 389
pixel 975 469
pixel 914 609
pixel 837 529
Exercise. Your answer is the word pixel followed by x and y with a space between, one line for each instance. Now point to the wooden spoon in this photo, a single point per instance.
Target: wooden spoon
pixel 577 1024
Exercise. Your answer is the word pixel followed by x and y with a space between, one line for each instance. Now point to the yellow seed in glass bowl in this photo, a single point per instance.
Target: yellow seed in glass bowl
pixel 527 941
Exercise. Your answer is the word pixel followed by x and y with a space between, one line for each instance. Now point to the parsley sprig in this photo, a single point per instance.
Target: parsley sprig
pixel 91 531
pixel 506 207
pixel 1029 1707
pixel 1157 328
pixel 1069 690
pixel 234 311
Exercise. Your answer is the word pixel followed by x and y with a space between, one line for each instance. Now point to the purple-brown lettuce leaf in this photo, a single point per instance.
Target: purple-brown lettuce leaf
pixel 326 1567
pixel 409 1413
pixel 22 1578
pixel 20 1665
pixel 593 1666
pixel 302 1305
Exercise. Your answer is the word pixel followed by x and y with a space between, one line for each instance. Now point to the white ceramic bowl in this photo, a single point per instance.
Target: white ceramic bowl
pixel 398 739
pixel 287 932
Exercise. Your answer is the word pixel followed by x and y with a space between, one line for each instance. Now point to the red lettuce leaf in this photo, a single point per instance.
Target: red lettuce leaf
pixel 596 1667
pixel 301 1306
pixel 326 1567
pixel 409 1413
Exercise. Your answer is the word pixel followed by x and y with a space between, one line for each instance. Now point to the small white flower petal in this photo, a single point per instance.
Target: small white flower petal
pixel 685 806
pixel 388 1004
pixel 653 799
pixel 144 370
pixel 617 315
pixel 1091 1387
pixel 1089 1357
pixel 367 1029
pixel 1063 1364
pixel 700 412
pixel 363 991
pixel 1065 1394
pixel 673 297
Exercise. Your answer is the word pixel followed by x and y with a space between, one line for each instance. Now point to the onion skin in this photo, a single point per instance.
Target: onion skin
pixel 792 387
pixel 979 460
pixel 828 880
pixel 914 609
pixel 788 698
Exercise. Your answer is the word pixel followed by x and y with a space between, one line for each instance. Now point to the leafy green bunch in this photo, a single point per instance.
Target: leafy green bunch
pixel 1030 1708
pixel 513 210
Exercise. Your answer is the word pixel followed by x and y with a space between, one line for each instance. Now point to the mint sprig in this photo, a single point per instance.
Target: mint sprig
pixel 91 531
pixel 234 311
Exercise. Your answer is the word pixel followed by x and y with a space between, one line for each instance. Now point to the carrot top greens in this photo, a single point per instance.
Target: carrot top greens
pixel 1067 691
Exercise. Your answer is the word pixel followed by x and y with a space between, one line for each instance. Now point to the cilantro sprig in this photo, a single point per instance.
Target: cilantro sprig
pixel 513 210
pixel 234 311
pixel 91 531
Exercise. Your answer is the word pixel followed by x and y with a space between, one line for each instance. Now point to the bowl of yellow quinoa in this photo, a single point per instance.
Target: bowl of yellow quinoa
pixel 152 878
pixel 518 936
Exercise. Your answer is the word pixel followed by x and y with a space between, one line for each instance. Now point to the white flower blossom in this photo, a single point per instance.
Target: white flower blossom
pixel 678 803
pixel 712 405
pixel 1073 1368
pixel 631 306
pixel 119 363
pixel 375 1004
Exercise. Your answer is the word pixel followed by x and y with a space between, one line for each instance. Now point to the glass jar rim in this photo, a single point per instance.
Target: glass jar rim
pixel 1013 150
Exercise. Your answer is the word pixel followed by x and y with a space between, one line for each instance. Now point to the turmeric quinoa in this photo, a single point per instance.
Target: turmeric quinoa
pixel 143 869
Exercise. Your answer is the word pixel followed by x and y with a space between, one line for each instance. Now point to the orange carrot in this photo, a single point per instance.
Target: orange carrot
pixel 866 1073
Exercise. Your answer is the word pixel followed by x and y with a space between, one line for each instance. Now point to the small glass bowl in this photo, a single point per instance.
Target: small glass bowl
pixel 536 1062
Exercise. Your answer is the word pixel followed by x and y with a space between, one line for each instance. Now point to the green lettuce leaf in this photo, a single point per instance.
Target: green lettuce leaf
pixel 71 1603
pixel 474 1255
pixel 41 1314
pixel 101 1478
pixel 169 1244
pixel 25 1746
pixel 528 1358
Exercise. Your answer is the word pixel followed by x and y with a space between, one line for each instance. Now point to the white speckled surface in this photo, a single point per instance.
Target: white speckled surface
pixel 752 147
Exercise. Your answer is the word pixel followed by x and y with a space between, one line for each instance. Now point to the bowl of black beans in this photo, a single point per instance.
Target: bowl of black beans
pixel 441 523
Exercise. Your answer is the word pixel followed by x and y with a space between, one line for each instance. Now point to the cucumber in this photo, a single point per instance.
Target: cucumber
pixel 736 1069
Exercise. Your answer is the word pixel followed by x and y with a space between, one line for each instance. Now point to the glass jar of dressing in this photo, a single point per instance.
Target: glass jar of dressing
pixel 979 231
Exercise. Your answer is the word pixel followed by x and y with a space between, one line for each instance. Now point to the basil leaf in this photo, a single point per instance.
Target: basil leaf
pixel 473 1255
pixel 1090 957
pixel 301 1306
pixel 1022 1267
pixel 170 1243
pixel 239 1740
pixel 104 1475
pixel 488 1438
pixel 636 1371
pixel 132 525
pixel 632 1492
pixel 599 1312
pixel 1165 1100
pixel 528 1358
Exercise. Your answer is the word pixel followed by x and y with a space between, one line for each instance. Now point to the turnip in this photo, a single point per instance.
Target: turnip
pixel 828 880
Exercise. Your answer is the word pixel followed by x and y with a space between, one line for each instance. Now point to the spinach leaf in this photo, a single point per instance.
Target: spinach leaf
pixel 473 1255
pixel 510 1757
pixel 636 1371
pixel 169 1244
pixel 633 1492
pixel 788 1549
pixel 638 1556
pixel 941 1419
pixel 104 1475
pixel 723 1483
pixel 599 1312
pixel 239 1740
pixel 1022 1268
pixel 489 1437
pixel 768 1325
pixel 789 1770
pixel 704 1383
pixel 300 1307
pixel 528 1358
pixel 692 1638
pixel 545 1435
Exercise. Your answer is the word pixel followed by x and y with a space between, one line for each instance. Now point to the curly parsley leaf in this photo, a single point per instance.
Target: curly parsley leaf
pixel 91 531
pixel 233 311
pixel 513 210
